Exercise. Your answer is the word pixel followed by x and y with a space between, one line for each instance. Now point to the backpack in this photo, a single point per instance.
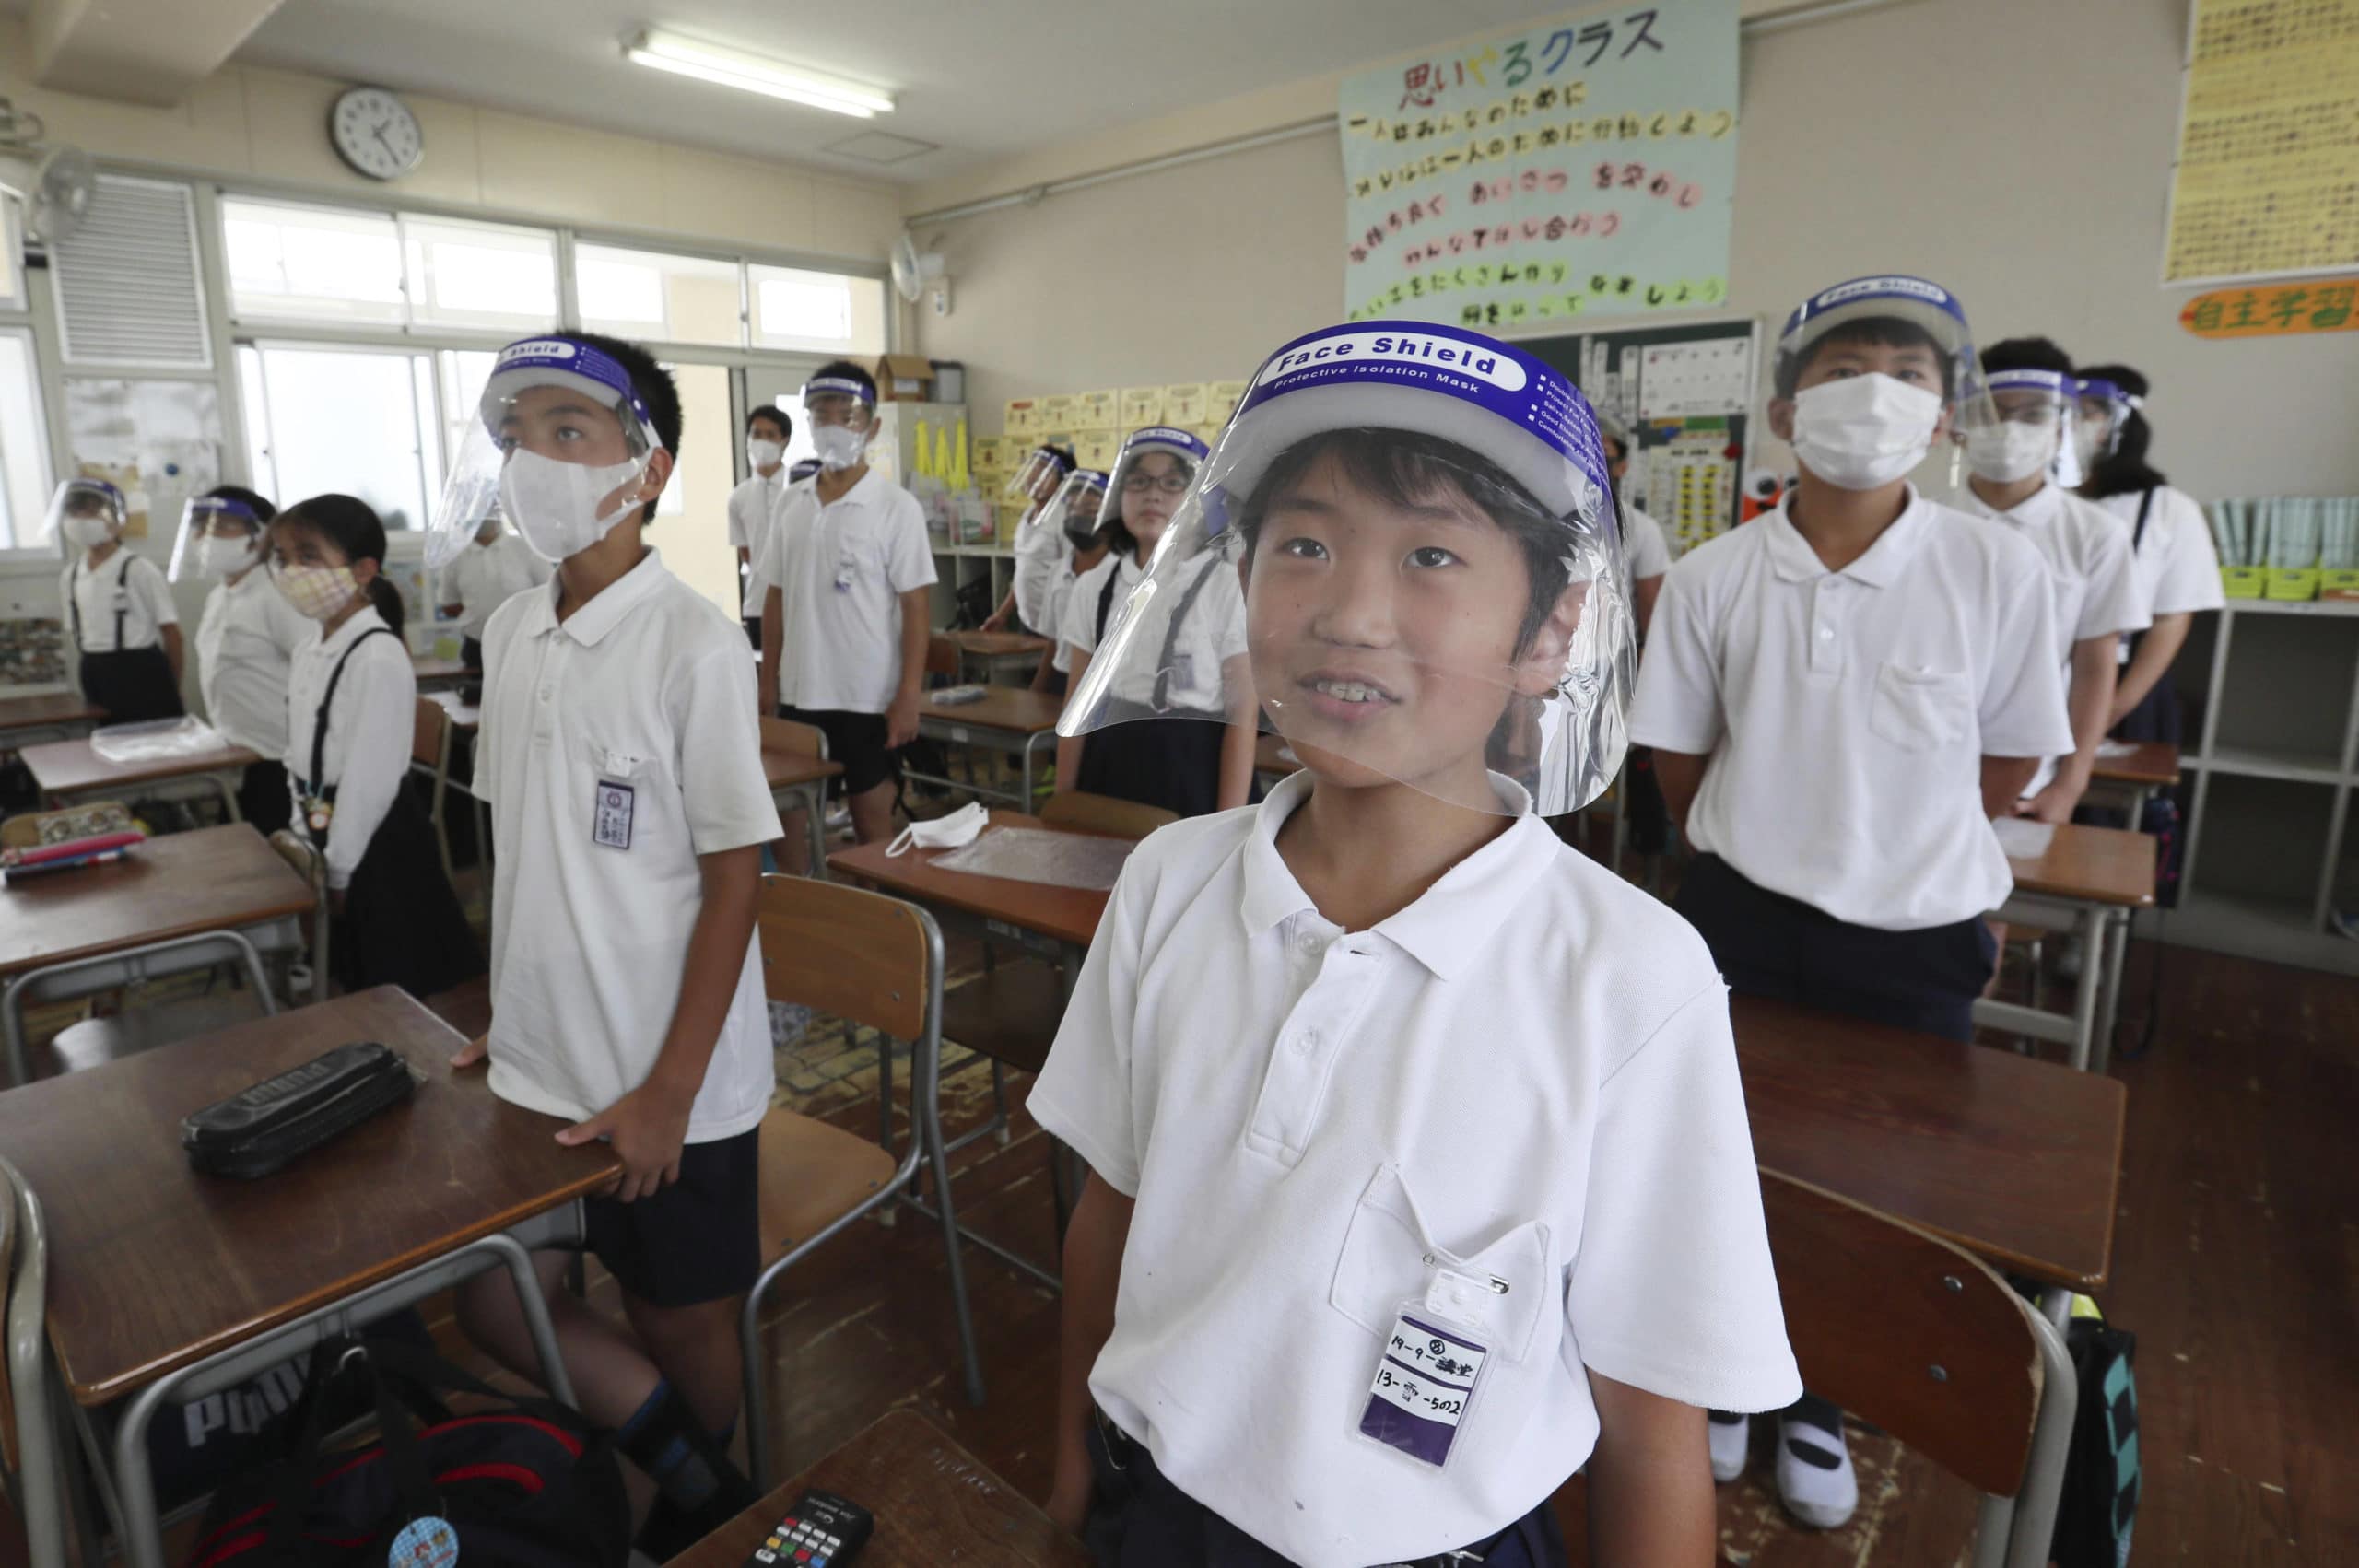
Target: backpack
pixel 520 1482
pixel 2099 1505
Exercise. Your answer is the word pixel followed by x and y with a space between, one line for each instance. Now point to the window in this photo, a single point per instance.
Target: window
pixel 480 275
pixel 357 420
pixel 462 372
pixel 822 312
pixel 665 299
pixel 12 251
pixel 313 263
pixel 24 444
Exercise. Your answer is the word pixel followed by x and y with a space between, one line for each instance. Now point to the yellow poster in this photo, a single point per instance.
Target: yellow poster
pixel 1059 411
pixel 1183 405
pixel 2273 310
pixel 1141 405
pixel 2269 132
pixel 1221 399
pixel 1022 416
pixel 1096 449
pixel 1097 410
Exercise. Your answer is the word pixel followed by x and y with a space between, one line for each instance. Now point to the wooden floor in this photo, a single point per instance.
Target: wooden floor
pixel 2238 1266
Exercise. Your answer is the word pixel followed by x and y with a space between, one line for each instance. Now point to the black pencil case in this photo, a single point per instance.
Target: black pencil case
pixel 263 1128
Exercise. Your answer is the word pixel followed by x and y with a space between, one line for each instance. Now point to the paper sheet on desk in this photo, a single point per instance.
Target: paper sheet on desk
pixel 2116 748
pixel 2023 839
pixel 156 740
pixel 1033 854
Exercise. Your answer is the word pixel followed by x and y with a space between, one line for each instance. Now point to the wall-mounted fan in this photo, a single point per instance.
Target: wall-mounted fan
pixel 916 273
pixel 51 180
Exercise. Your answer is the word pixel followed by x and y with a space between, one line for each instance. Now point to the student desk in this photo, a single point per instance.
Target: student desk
pixel 213 879
pixel 68 769
pixel 168 1285
pixel 800 783
pixel 466 716
pixel 433 672
pixel 49 714
pixel 1056 923
pixel 988 651
pixel 1009 720
pixel 934 1503
pixel 2089 881
pixel 2137 771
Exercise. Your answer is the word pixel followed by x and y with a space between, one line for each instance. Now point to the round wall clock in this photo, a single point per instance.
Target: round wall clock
pixel 375 134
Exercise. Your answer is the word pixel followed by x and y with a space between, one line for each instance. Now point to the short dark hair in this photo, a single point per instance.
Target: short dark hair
pixel 655 388
pixel 2124 471
pixel 253 501
pixel 1404 467
pixel 2026 354
pixel 353 526
pixel 1883 332
pixel 844 370
pixel 776 415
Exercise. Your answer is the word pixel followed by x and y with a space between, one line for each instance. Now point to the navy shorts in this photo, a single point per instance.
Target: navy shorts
pixel 697 1240
pixel 856 740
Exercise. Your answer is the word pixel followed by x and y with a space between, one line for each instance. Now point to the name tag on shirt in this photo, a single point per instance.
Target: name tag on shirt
pixel 611 820
pixel 1424 1383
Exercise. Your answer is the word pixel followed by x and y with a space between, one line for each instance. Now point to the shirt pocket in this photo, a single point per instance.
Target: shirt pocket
pixel 642 812
pixel 1918 709
pixel 1390 1256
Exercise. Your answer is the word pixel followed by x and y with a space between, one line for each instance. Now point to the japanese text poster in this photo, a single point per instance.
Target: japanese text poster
pixel 1586 166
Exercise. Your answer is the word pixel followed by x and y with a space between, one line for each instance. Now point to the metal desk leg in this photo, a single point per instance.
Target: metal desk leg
pixel 1031 743
pixel 814 818
pixel 2095 920
pixel 2110 1004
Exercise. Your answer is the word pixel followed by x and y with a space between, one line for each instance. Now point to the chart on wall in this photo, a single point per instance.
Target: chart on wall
pixel 2268 135
pixel 160 442
pixel 1585 166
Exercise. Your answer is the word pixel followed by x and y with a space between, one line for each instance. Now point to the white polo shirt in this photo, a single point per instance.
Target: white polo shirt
pixel 644 693
pixel 1052 617
pixel 246 640
pixel 1643 544
pixel 1212 630
pixel 126 581
pixel 2175 560
pixel 840 571
pixel 1041 554
pixel 370 722
pixel 1525 1076
pixel 753 506
pixel 482 578
pixel 1846 713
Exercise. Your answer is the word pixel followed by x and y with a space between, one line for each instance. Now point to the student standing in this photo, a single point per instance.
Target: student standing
pixel 627 788
pixel 1038 483
pixel 2173 558
pixel 118 606
pixel 2013 430
pixel 246 639
pixel 351 710
pixel 490 571
pixel 1840 695
pixel 1153 750
pixel 1643 544
pixel 754 504
pixel 1422 1128
pixel 847 576
pixel 1085 544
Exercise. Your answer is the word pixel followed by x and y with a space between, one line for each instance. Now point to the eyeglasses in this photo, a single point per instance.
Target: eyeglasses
pixel 1137 484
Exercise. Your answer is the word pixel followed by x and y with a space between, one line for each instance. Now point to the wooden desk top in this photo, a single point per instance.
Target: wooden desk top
pixel 71 768
pixel 1065 914
pixel 153 1267
pixel 1001 708
pixel 786 769
pixel 997 644
pixel 2146 762
pixel 934 1503
pixel 2016 1159
pixel 49 708
pixel 2103 865
pixel 213 879
pixel 426 667
pixel 464 715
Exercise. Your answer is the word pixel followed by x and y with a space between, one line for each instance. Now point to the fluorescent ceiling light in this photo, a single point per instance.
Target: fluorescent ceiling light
pixel 736 68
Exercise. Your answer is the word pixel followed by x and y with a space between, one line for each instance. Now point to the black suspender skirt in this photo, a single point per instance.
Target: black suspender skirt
pixel 131 683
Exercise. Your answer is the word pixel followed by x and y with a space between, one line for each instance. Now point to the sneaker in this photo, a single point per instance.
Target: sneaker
pixel 1731 1436
pixel 1815 1474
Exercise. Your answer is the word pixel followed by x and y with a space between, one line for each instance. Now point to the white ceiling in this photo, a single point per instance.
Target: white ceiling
pixel 982 80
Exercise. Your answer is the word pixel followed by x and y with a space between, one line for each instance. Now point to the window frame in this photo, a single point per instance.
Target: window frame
pixel 12 548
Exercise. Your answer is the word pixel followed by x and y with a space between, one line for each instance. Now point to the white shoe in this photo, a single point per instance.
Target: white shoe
pixel 1815 1474
pixel 1730 1437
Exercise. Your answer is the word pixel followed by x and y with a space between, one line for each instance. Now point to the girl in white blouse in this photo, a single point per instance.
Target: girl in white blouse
pixel 352 706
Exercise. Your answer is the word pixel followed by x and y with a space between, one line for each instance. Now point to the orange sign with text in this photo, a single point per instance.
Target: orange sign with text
pixel 2319 304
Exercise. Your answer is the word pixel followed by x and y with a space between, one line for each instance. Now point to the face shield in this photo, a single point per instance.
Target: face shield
pixel 218 536
pixel 1400 558
pixel 1079 502
pixel 842 415
pixel 83 514
pixel 1152 470
pixel 1867 370
pixel 561 445
pixel 2099 412
pixel 1037 480
pixel 2012 424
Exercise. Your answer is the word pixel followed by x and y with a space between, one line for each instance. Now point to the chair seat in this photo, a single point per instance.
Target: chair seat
pixel 466 1008
pixel 812 1173
pixel 97 1041
pixel 1009 1014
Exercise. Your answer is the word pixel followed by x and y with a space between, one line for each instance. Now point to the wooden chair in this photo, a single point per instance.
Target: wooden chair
pixel 1078 811
pixel 150 961
pixel 1918 1336
pixel 430 754
pixel 868 960
pixel 793 738
pixel 310 864
pixel 30 1435
pixel 941 657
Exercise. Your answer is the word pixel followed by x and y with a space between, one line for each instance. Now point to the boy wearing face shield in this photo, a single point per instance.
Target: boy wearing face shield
pixel 494 567
pixel 847 575
pixel 1840 695
pixel 247 637
pixel 1378 1083
pixel 2014 434
pixel 630 808
pixel 1040 539
pixel 1085 545
pixel 754 504
pixel 118 606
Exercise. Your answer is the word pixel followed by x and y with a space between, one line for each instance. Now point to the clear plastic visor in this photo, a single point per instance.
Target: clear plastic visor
pixel 83 514
pixel 588 444
pixel 216 537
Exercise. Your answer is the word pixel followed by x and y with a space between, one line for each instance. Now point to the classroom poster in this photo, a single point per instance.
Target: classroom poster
pixel 1585 166
pixel 2268 137
pixel 2280 310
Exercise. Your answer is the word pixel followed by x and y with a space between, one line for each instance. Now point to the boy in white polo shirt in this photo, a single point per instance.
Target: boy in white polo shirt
pixel 1419 1166
pixel 847 576
pixel 753 506
pixel 2014 434
pixel 489 572
pixel 626 784
pixel 1840 695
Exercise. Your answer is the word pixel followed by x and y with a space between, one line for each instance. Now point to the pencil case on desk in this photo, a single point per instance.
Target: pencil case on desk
pixel 263 1128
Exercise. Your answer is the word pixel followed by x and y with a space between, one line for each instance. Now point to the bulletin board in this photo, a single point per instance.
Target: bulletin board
pixel 1688 392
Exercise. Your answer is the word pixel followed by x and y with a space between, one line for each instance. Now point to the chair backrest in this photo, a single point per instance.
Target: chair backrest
pixel 861 955
pixel 429 734
pixel 10 1460
pixel 794 738
pixel 29 1430
pixel 302 857
pixel 1907 1331
pixel 942 656
pixel 1078 811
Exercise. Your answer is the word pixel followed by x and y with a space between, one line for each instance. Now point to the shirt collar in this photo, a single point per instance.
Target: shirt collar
pixel 2038 510
pixel 1450 924
pixel 862 493
pixel 1792 558
pixel 588 625
pixel 349 633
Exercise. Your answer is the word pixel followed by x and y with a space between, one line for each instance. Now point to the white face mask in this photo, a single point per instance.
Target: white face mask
pixel 1863 432
pixel 317 591
pixel 556 505
pixel 2009 451
pixel 763 454
pixel 960 828
pixel 86 531
pixel 838 446
pixel 216 556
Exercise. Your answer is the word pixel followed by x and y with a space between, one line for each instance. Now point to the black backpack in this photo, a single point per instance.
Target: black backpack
pixel 2094 1517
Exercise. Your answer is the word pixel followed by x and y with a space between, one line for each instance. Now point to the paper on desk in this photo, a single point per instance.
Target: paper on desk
pixel 2116 748
pixel 1034 854
pixel 156 740
pixel 2023 839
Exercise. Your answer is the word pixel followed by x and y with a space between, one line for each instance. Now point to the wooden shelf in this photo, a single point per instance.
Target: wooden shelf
pixel 2297 767
pixel 2274 931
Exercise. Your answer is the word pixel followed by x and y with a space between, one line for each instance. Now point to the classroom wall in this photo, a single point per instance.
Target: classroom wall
pixel 2019 151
